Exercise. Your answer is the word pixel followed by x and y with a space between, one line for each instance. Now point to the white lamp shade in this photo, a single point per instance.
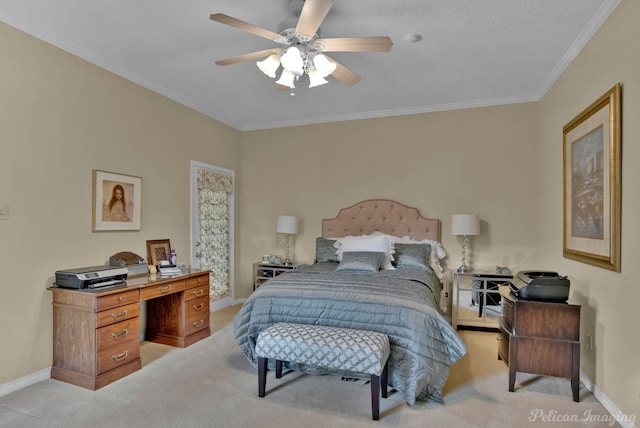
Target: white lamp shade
pixel 286 79
pixel 287 224
pixel 323 65
pixel 316 79
pixel 465 224
pixel 292 61
pixel 269 65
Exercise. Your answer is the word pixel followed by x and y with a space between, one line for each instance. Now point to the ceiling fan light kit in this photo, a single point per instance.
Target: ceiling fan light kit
pixel 302 49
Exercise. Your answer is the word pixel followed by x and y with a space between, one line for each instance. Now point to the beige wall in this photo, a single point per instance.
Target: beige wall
pixel 60 119
pixel 442 163
pixel 63 117
pixel 609 299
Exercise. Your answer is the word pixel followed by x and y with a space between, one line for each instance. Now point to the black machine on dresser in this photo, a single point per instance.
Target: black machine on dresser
pixel 540 285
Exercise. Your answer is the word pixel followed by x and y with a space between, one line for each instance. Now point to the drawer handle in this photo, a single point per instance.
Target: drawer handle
pixel 198 323
pixel 120 314
pixel 164 289
pixel 120 357
pixel 118 334
pixel 119 298
pixel 198 293
pixel 198 307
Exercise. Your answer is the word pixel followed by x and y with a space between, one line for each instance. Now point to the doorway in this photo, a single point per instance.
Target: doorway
pixel 212 207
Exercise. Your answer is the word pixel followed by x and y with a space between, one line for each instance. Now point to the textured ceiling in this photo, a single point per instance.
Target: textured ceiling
pixel 473 52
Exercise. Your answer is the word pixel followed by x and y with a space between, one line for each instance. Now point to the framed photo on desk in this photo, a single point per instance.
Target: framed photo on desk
pixel 158 250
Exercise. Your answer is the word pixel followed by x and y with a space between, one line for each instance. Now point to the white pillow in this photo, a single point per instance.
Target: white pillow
pixel 377 243
pixel 437 252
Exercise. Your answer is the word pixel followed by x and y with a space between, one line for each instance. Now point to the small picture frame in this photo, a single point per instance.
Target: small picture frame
pixel 158 250
pixel 117 201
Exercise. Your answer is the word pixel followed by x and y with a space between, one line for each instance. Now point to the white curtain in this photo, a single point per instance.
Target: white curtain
pixel 213 201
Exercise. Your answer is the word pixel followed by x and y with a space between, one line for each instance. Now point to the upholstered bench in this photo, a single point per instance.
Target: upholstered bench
pixel 338 349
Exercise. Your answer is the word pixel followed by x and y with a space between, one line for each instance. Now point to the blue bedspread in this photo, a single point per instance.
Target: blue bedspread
pixel 401 303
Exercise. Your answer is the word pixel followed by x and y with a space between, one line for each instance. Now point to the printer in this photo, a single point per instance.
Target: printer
pixel 540 285
pixel 91 277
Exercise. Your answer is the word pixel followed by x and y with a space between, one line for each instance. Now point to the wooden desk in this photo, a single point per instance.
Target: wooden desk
pixel 96 333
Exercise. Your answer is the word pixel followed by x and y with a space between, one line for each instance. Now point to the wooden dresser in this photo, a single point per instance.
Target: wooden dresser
pixel 540 338
pixel 96 333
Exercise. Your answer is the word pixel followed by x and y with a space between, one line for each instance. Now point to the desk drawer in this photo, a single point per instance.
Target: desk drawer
pixel 198 280
pixel 118 314
pixel 115 300
pixel 196 292
pixel 114 334
pixel 120 354
pixel 161 290
pixel 197 312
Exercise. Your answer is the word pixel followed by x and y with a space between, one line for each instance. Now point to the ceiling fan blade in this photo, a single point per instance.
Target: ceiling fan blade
pixel 312 15
pixel 245 26
pixel 343 74
pixel 246 57
pixel 354 44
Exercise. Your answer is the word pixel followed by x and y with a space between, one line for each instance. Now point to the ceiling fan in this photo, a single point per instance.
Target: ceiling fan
pixel 301 50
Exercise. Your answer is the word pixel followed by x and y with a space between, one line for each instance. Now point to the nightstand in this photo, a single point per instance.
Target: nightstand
pixel 476 299
pixel 265 271
pixel 540 337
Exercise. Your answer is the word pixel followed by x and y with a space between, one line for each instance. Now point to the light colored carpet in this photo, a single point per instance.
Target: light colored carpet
pixel 211 384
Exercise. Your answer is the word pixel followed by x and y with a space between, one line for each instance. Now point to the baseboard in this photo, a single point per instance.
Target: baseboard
pixel 25 381
pixel 625 421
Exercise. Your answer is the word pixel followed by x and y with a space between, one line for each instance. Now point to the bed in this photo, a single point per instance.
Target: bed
pixel 376 269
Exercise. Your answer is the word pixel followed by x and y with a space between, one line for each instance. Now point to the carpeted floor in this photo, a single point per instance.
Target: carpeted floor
pixel 211 384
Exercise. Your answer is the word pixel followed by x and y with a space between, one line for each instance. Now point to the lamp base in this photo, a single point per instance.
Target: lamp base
pixel 464 269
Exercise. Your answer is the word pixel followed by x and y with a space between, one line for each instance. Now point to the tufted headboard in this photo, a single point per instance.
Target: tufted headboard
pixel 381 215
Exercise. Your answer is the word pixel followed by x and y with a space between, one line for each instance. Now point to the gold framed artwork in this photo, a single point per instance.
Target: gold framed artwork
pixel 592 180
pixel 158 250
pixel 117 201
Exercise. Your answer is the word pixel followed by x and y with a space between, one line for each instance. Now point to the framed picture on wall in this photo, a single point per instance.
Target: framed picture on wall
pixel 158 250
pixel 592 179
pixel 117 201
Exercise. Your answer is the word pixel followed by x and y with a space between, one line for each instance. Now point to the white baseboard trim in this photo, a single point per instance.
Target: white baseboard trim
pixel 625 421
pixel 25 381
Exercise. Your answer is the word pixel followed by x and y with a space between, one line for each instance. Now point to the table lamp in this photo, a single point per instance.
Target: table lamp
pixel 289 226
pixel 465 225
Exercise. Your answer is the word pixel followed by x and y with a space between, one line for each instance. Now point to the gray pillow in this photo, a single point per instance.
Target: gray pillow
pixel 412 255
pixel 325 251
pixel 368 261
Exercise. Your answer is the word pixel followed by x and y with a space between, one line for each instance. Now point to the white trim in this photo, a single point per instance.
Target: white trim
pixel 625 421
pixel 25 381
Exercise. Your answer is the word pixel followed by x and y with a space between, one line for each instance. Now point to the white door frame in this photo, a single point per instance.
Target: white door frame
pixel 195 227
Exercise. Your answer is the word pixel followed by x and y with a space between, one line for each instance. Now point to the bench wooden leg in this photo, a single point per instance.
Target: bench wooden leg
pixel 383 382
pixel 262 375
pixel 375 397
pixel 278 369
